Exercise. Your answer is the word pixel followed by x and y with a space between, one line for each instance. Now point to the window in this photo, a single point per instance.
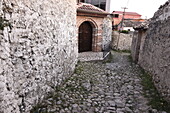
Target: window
pixel 98 3
pixel 80 1
pixel 116 15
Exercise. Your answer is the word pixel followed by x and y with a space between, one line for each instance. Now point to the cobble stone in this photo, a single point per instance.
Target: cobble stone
pixel 118 90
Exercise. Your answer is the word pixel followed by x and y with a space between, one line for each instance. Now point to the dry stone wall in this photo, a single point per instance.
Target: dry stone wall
pixel 37 50
pixel 123 41
pixel 155 52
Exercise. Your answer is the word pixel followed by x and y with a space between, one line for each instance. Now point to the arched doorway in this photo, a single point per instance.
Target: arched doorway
pixel 85 37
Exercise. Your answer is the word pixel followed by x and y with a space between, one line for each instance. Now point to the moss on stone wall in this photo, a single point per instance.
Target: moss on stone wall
pixel 4 23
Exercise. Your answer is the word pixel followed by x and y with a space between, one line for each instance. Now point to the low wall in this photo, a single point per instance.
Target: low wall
pixel 123 41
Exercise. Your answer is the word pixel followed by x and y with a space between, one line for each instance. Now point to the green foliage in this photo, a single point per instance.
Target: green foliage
pixel 126 51
pixel 124 31
pixel 108 59
pixel 72 87
pixel 78 70
pixel 130 59
pixel 155 99
pixel 39 109
pixel 4 23
pixel 122 51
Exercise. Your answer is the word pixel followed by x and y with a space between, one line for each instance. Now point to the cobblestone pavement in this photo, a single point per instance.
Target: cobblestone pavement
pixel 101 87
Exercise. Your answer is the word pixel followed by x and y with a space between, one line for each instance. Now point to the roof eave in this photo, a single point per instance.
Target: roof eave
pixel 93 12
pixel 140 28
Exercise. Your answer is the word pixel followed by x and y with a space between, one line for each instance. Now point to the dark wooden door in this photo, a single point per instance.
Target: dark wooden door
pixel 85 37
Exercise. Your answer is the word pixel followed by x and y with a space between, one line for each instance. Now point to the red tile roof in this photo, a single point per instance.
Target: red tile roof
pixel 89 7
pixel 127 13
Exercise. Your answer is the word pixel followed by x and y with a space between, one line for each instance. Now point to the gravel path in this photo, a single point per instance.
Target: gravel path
pixel 98 87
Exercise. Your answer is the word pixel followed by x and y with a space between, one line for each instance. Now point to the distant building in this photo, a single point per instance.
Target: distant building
pixel 129 17
pixel 103 4
pixel 118 15
pixel 129 24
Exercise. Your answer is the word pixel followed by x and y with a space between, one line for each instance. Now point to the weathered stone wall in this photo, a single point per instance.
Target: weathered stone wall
pixel 107 33
pixel 134 46
pixel 137 44
pixel 125 41
pixel 155 53
pixel 37 53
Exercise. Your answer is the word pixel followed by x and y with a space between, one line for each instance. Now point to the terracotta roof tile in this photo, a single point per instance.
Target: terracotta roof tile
pixel 89 7
pixel 128 13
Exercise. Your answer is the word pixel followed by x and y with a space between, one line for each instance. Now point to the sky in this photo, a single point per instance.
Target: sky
pixel 146 8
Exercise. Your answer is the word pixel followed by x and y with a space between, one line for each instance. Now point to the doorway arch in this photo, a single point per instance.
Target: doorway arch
pixel 85 37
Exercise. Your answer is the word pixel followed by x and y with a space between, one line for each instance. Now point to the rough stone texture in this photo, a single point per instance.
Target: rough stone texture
pixel 107 33
pixel 137 44
pixel 98 87
pixel 37 53
pixel 138 40
pixel 155 53
pixel 125 41
pixel 90 56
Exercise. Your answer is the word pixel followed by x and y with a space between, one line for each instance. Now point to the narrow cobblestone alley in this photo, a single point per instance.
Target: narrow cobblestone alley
pixel 101 87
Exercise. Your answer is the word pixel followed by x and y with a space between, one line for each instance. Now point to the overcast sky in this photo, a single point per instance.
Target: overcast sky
pixel 146 8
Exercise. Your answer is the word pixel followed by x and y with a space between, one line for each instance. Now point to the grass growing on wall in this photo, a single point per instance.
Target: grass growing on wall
pixel 71 87
pixel 156 101
pixel 124 31
pixel 4 23
pixel 150 92
pixel 122 51
pixel 108 59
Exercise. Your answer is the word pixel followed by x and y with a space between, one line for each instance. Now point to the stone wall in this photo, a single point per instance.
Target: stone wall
pixel 37 51
pixel 155 53
pixel 125 41
pixel 137 44
pixel 107 33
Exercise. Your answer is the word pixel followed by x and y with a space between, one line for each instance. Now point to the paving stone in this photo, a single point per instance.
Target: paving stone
pixel 112 88
pixel 127 109
pixel 119 103
pixel 163 112
pixel 111 108
pixel 111 103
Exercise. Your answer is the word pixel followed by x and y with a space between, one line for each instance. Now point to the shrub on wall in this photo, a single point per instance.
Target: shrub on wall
pixel 4 23
pixel 124 31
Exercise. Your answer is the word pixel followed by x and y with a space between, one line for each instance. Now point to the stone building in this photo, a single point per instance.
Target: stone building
pixel 94 29
pixel 151 48
pixel 118 16
pixel 38 50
